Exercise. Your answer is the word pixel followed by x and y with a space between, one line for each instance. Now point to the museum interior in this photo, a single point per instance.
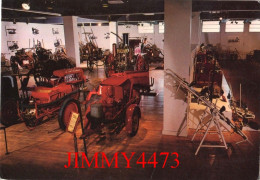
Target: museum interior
pixel 130 89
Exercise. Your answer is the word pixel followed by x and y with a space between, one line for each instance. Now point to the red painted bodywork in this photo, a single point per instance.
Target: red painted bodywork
pixel 116 94
pixel 66 83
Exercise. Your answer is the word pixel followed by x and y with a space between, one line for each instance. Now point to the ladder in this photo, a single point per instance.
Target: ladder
pixel 216 113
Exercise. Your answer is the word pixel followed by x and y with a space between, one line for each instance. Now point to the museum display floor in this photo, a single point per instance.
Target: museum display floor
pixel 43 152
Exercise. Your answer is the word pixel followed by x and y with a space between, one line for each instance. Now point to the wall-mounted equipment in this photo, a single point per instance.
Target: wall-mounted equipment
pixel 35 31
pixel 233 39
pixel 55 31
pixel 10 30
pixel 12 45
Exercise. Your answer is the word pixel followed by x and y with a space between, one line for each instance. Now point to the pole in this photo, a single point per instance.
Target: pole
pixel 240 95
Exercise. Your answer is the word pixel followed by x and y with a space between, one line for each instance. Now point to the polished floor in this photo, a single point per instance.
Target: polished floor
pixel 43 152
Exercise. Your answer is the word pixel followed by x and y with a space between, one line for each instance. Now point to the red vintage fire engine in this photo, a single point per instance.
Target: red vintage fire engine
pixel 113 106
pixel 44 101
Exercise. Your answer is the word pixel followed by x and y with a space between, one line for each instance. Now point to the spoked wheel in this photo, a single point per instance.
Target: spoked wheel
pixel 68 107
pixel 9 112
pixel 135 123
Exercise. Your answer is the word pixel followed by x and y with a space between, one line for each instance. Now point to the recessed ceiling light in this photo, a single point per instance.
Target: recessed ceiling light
pixel 26 6
pixel 148 14
pixel 115 2
pixel 105 5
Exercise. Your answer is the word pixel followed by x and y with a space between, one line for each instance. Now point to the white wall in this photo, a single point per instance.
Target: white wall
pixel 248 41
pixel 24 33
pixel 100 31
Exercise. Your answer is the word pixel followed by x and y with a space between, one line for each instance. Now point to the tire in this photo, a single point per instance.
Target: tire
pixel 136 93
pixel 135 123
pixel 68 106
pixel 9 114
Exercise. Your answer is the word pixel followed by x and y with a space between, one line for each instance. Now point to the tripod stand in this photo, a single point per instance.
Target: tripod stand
pixel 216 114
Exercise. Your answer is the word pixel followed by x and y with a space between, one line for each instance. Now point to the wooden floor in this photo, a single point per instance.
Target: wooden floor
pixel 42 153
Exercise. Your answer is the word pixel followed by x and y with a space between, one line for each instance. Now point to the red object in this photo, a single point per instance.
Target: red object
pixel 116 101
pixel 45 101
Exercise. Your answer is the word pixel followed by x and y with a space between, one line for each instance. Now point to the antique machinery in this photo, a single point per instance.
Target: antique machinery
pixel 152 53
pixel 90 52
pixel 240 114
pixel 25 59
pixel 115 104
pixel 123 59
pixel 45 102
pixel 207 70
pixel 216 113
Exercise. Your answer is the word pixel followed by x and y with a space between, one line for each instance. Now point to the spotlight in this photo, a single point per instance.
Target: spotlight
pixel 26 6
pixel 104 5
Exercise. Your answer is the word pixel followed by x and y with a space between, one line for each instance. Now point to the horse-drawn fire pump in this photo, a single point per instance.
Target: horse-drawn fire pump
pixel 24 58
pixel 123 59
pixel 90 52
pixel 152 52
pixel 46 101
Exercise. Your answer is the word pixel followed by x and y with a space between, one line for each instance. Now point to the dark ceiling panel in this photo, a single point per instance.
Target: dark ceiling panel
pixel 130 10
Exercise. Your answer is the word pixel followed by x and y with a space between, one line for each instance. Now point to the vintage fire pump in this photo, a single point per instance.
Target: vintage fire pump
pixel 25 59
pixel 90 52
pixel 153 53
pixel 113 106
pixel 45 102
pixel 123 59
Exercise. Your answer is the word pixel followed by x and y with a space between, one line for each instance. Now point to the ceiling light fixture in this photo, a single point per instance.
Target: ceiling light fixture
pixel 148 14
pixel 26 6
pixel 104 5
pixel 115 2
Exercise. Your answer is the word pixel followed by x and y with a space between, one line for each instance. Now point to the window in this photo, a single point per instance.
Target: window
pixel 235 26
pixel 210 26
pixel 161 27
pixel 145 28
pixel 254 26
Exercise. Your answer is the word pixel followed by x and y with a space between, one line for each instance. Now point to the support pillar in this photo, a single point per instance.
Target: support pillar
pixel 196 29
pixel 177 51
pixel 71 38
pixel 113 27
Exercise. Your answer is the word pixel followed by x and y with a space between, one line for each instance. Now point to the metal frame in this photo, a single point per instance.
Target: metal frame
pixel 215 112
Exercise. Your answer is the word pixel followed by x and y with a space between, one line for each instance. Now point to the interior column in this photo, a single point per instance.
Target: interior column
pixel 177 51
pixel 113 27
pixel 71 38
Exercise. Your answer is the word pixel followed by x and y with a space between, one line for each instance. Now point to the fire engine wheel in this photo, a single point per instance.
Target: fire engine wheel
pixel 68 106
pixel 135 123
pixel 9 112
